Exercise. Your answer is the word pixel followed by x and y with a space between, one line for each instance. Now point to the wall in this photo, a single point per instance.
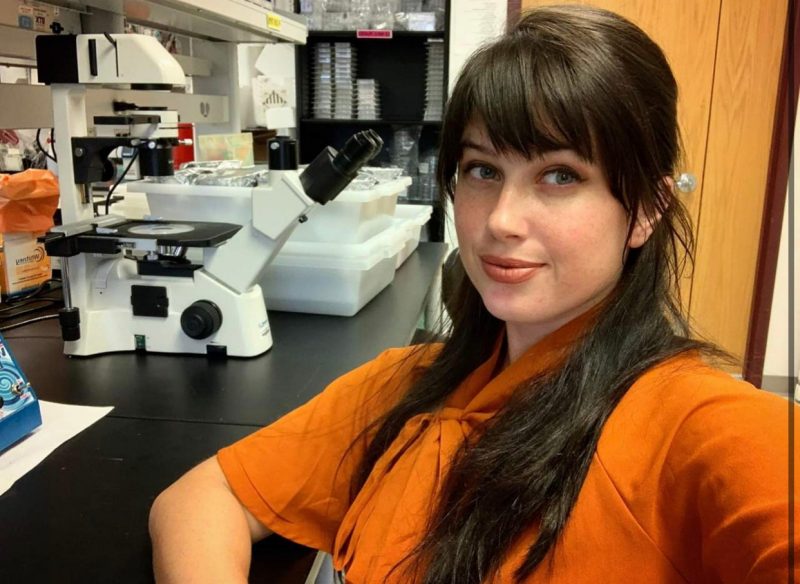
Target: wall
pixel 781 323
pixel 472 23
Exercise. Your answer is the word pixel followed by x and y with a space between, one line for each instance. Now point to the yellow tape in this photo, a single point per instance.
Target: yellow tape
pixel 273 21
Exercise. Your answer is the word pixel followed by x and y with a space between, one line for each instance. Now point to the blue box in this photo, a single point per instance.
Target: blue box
pixel 20 414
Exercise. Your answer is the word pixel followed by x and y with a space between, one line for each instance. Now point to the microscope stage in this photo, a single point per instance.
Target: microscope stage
pixel 170 233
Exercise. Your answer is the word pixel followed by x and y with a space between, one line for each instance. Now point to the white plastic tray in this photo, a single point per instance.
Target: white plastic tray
pixel 353 216
pixel 327 278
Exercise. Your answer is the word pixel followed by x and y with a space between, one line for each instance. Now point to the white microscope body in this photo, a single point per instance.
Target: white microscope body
pixel 127 284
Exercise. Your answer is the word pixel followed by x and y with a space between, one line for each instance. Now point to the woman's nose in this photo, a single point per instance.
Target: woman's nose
pixel 508 216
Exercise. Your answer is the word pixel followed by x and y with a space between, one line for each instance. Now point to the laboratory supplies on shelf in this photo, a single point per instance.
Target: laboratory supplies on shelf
pixel 341 15
pixel 434 81
pixel 333 72
pixel 368 104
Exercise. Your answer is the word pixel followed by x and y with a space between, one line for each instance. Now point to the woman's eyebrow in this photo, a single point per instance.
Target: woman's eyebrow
pixel 488 150
pixel 563 151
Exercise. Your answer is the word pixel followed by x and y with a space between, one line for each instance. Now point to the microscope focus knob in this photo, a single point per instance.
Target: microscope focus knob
pixel 201 320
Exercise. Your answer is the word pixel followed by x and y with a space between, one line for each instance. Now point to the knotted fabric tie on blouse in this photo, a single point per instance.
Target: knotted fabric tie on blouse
pixel 391 511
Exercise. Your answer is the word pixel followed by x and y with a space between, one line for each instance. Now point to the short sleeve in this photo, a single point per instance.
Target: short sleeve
pixel 730 462
pixel 294 475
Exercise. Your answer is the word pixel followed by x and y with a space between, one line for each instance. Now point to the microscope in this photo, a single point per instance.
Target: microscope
pixel 128 284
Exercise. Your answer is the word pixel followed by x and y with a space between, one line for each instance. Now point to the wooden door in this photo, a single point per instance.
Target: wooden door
pixel 746 75
pixel 725 55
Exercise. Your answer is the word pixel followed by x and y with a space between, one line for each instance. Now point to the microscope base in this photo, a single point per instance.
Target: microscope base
pixel 112 320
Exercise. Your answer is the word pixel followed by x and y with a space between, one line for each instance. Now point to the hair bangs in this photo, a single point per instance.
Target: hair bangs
pixel 529 103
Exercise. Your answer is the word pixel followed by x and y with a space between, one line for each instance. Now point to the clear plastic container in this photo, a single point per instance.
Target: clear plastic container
pixel 354 216
pixel 328 278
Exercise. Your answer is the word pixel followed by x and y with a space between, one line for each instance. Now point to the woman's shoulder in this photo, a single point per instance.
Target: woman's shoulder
pixel 687 384
pixel 700 460
pixel 685 405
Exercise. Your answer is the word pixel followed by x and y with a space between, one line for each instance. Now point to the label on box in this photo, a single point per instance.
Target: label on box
pixel 40 19
pixel 35 16
pixel 25 17
pixel 373 34
pixel 24 264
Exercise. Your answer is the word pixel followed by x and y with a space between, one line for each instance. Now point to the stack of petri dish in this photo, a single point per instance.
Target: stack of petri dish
pixel 434 82
pixel 404 153
pixel 368 104
pixel 332 83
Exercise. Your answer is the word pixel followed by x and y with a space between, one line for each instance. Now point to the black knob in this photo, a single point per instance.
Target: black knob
pixel 156 160
pixel 70 320
pixel 282 153
pixel 201 320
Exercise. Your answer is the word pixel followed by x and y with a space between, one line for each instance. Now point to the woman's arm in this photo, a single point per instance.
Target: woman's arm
pixel 200 531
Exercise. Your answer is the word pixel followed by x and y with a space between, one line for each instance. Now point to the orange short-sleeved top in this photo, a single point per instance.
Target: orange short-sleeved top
pixel 689 483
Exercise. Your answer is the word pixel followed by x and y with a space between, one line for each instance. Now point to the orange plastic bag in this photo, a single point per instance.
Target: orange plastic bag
pixel 27 201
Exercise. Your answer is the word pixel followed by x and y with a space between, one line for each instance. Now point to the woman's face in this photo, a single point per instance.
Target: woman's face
pixel 542 239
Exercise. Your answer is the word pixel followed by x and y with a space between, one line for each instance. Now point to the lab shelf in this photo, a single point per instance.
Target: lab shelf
pixel 352 34
pixel 354 122
pixel 399 65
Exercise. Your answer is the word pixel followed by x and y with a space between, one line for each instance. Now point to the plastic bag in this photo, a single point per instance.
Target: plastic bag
pixel 27 201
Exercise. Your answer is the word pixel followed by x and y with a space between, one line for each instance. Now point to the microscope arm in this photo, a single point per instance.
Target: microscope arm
pixel 276 209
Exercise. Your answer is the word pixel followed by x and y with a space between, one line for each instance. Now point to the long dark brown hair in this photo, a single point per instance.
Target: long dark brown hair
pixel 563 77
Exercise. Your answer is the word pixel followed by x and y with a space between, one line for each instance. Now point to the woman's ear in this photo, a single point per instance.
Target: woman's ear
pixel 644 225
pixel 642 229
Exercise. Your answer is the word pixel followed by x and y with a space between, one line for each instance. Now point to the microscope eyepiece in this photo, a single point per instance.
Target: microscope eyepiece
pixel 332 171
pixel 357 151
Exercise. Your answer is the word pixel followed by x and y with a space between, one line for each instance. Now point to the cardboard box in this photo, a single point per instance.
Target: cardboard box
pixel 226 147
pixel 24 264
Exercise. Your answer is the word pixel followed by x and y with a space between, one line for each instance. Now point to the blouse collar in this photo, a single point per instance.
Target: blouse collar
pixel 489 387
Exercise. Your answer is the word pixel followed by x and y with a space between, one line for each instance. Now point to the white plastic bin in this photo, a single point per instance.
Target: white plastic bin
pixel 196 202
pixel 411 219
pixel 327 278
pixel 353 216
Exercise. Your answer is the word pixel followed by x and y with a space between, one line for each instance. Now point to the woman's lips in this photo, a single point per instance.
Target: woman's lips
pixel 509 270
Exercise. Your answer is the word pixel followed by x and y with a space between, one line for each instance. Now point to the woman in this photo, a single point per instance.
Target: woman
pixel 568 430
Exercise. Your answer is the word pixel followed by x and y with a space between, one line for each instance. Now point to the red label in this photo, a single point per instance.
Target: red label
pixel 373 34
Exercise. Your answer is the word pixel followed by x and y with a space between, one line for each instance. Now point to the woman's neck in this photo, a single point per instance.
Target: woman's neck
pixel 520 337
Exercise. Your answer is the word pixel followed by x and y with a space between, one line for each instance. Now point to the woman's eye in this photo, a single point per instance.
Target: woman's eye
pixel 560 176
pixel 482 172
